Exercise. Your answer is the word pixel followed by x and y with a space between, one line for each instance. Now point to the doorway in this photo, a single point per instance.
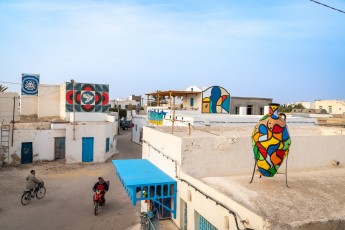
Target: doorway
pixel 26 153
pixel 59 147
pixel 87 149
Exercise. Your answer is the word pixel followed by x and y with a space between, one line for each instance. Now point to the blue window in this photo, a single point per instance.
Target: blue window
pixel 107 145
pixel 192 101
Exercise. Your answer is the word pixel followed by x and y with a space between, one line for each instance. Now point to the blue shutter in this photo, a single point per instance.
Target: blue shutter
pixel 192 102
pixel 107 145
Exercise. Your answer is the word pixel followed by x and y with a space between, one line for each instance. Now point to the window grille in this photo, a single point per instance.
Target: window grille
pixel 185 226
pixel 205 225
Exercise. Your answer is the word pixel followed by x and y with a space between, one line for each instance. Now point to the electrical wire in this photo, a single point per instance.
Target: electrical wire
pixel 6 82
pixel 328 6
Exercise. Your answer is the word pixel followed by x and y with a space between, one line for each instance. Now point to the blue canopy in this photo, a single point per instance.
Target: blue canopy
pixel 142 180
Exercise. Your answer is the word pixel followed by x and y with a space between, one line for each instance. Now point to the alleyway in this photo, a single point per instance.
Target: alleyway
pixel 68 202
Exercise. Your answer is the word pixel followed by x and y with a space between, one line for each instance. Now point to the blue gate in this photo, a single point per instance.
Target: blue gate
pixel 26 155
pixel 87 149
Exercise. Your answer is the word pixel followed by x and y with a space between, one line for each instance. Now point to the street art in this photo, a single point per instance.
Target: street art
pixel 30 84
pixel 156 117
pixel 271 141
pixel 215 99
pixel 84 97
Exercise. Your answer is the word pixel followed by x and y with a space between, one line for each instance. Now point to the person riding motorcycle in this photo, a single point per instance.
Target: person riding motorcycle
pixel 102 186
pixel 32 182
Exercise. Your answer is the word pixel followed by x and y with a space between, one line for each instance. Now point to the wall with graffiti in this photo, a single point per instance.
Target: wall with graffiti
pixel 87 97
pixel 215 99
pixel 156 117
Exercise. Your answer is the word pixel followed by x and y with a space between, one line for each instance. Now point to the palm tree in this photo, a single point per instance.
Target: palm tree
pixel 3 88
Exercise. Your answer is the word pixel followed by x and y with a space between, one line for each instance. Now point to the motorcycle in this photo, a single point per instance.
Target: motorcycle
pixel 98 200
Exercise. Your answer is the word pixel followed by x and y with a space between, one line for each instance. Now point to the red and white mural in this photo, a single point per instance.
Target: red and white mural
pixel 85 97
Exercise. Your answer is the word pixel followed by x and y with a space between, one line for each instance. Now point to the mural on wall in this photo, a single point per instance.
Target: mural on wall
pixel 215 99
pixel 87 97
pixel 156 117
pixel 271 142
pixel 30 84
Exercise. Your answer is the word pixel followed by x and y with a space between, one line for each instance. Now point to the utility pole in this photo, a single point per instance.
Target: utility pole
pixel 118 117
pixel 14 106
pixel 73 84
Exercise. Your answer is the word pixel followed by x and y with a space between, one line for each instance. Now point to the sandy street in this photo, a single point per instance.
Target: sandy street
pixel 68 201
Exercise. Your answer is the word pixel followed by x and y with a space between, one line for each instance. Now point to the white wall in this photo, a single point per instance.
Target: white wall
pixel 62 105
pixel 42 143
pixel 218 216
pixel 99 131
pixel 85 116
pixel 169 144
pixel 43 140
pixel 243 111
pixel 6 107
pixel 139 122
pixel 228 152
pixel 28 105
pixel 197 101
pixel 48 100
pixel 193 88
pixel 338 106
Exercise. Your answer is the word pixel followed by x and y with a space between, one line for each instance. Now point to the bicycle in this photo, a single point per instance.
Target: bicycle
pixel 28 194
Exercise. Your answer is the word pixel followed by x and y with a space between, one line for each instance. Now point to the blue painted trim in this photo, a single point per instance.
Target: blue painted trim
pixel 141 175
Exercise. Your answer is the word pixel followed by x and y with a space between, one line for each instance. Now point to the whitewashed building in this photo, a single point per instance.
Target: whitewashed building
pixel 331 106
pixel 212 168
pixel 68 121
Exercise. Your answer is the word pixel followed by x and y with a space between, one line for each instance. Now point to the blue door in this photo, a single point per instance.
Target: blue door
pixel 191 102
pixel 26 155
pixel 87 149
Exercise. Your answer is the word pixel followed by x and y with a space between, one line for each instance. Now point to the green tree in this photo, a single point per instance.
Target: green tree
pixel 3 88
pixel 288 108
pixel 298 106
pixel 123 113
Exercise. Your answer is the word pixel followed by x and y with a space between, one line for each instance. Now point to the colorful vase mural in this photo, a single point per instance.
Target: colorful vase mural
pixel 215 99
pixel 271 141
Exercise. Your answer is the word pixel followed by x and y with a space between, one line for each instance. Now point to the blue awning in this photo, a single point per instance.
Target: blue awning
pixel 142 180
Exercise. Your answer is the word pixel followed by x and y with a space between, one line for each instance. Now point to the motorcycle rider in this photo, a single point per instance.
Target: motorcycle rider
pixel 31 181
pixel 102 186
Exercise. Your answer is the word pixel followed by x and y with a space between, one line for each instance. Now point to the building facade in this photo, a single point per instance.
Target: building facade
pixel 212 174
pixel 69 121
pixel 249 105
pixel 331 106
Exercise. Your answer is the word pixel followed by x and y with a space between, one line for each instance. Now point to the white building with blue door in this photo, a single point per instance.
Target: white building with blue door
pixel 68 121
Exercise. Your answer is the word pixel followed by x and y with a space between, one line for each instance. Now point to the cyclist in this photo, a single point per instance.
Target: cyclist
pixel 32 182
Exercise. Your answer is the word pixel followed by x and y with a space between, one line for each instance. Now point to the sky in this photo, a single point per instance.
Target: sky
pixel 288 50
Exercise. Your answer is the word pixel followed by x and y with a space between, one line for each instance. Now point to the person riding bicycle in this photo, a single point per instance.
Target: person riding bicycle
pixel 102 186
pixel 32 182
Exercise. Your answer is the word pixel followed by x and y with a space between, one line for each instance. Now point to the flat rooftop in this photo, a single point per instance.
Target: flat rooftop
pixel 316 199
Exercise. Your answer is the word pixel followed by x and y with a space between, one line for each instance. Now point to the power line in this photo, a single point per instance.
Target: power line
pixel 328 6
pixel 10 83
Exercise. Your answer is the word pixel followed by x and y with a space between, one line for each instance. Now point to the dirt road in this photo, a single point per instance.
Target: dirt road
pixel 68 202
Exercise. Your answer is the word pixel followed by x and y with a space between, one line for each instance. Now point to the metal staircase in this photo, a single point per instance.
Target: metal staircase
pixel 5 144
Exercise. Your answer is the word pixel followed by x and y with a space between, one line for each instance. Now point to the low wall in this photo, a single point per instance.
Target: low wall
pixel 221 151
